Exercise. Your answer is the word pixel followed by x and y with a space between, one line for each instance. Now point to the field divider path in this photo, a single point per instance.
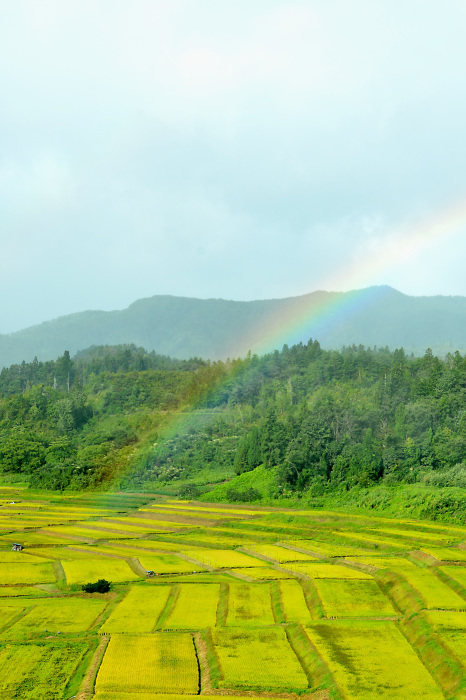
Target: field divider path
pixel 59 571
pixel 22 613
pixel 447 580
pixel 114 599
pixel 222 606
pixel 276 602
pixel 169 607
pixel 87 686
pixel 446 670
pixel 317 672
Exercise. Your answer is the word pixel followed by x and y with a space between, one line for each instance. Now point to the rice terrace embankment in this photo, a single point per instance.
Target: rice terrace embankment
pixel 215 599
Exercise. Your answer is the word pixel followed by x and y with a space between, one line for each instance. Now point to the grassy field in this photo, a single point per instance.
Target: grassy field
pixel 306 602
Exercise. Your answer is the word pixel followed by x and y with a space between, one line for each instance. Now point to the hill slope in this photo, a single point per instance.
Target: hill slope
pixel 215 328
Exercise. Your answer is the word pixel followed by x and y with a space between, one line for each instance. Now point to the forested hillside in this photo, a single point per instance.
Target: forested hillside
pixel 314 421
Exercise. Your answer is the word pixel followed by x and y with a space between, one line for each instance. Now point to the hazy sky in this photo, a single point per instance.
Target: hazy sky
pixel 241 149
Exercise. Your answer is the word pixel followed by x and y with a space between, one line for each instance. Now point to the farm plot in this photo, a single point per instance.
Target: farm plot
pixel 9 612
pixel 326 550
pixel 224 558
pixel 86 570
pixel 8 557
pixel 353 599
pixel 417 536
pixel 249 604
pixel 29 671
pixel 457 573
pixel 52 615
pixel 156 663
pixel 262 573
pixel 451 629
pixel 319 570
pixel 139 611
pixel 26 573
pixel 445 553
pixel 167 564
pixel 374 540
pixel 257 660
pixel 279 554
pixel 16 591
pixel 434 592
pixel 393 563
pixel 371 659
pixel 294 602
pixel 195 607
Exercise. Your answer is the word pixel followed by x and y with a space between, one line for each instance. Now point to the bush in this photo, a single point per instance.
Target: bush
pixel 243 496
pixel 456 476
pixel 189 492
pixel 100 586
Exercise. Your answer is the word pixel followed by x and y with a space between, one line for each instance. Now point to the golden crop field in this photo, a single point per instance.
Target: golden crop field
pixel 294 602
pixel 27 573
pixel 433 591
pixel 38 671
pixel 249 604
pixel 372 659
pixel 85 570
pixel 167 564
pixel 262 573
pixel 164 662
pixel 195 607
pixel 324 607
pixel 55 615
pixel 445 553
pixel 346 598
pixel 257 660
pixel 139 610
pixel 319 570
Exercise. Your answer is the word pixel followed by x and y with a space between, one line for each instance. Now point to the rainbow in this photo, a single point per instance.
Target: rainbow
pixel 310 315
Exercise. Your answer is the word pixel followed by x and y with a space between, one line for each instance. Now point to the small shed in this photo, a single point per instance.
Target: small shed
pixel 17 547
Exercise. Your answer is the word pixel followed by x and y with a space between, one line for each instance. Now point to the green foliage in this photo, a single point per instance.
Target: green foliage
pixel 245 496
pixel 100 586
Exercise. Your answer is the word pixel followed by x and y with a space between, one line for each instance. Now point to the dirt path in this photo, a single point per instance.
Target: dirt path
pixel 87 686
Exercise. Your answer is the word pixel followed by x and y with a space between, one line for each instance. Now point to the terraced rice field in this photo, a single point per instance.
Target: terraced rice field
pixel 282 602
pixel 249 605
pixel 163 663
pixel 372 659
pixel 85 570
pixel 346 598
pixel 257 660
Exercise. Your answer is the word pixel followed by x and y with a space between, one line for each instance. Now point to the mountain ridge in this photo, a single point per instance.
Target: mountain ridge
pixel 218 328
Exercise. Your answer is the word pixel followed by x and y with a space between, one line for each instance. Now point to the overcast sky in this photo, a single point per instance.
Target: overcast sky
pixel 241 149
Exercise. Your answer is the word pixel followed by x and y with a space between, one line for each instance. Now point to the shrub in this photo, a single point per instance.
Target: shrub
pixel 100 586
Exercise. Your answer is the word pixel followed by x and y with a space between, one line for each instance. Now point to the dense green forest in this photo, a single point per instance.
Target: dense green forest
pixel 319 421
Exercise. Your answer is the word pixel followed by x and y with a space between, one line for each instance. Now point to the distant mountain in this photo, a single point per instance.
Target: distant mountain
pixel 215 328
